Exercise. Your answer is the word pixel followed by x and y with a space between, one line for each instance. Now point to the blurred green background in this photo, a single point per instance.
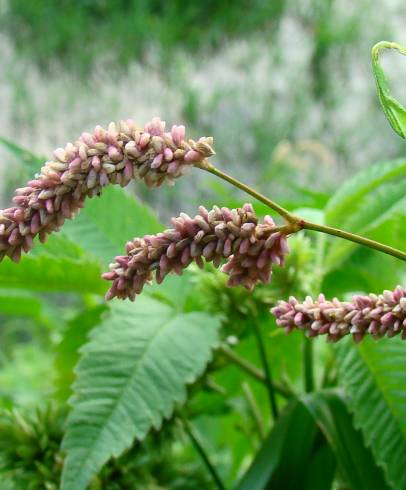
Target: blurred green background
pixel 286 89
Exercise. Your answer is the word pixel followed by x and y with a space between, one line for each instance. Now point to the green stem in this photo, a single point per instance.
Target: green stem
pixel 254 409
pixel 327 379
pixel 197 443
pixel 267 371
pixel 205 165
pixel 253 371
pixel 308 365
pixel 296 223
pixel 354 238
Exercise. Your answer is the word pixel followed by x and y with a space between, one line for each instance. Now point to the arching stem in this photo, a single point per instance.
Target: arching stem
pixel 205 165
pixel 295 223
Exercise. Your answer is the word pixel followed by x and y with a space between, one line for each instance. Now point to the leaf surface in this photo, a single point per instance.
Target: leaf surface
pixel 373 374
pixel 134 370
pixel 108 222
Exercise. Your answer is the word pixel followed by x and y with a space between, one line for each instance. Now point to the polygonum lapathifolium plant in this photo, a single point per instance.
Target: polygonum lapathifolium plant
pixel 249 247
pixel 150 357
pixel 117 155
pixel 124 152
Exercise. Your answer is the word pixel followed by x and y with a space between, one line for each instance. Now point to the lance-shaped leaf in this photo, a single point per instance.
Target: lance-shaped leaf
pixel 394 110
pixel 134 370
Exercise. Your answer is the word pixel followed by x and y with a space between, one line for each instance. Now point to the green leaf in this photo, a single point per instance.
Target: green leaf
pixel 320 470
pixel 48 272
pixel 31 162
pixel 292 444
pixel 134 369
pixel 20 303
pixel 350 195
pixel 377 208
pixel 25 377
pixel 59 245
pixel 373 375
pixel 394 110
pixel 105 224
pixel 355 461
pixel 362 271
pixel 67 351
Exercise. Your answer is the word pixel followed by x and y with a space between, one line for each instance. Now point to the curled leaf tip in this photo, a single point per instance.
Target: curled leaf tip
pixel 395 112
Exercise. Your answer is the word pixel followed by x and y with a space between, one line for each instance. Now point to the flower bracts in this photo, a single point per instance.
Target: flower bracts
pixel 234 235
pixel 117 155
pixel 375 315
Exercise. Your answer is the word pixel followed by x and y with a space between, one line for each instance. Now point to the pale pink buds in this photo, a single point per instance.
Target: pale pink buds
pixel 378 316
pixel 222 234
pixel 81 170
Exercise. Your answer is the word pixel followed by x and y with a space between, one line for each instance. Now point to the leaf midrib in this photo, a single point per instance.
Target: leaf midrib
pixel 123 390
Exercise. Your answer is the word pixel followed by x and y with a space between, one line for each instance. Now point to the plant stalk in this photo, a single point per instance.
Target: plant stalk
pixel 254 409
pixel 197 443
pixel 296 223
pixel 253 371
pixel 205 165
pixel 308 365
pixel 329 230
pixel 267 371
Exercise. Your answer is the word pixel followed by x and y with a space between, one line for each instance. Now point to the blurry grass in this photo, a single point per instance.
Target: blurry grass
pixel 128 26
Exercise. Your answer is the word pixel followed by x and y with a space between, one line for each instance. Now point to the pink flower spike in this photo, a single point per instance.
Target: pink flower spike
pixel 211 235
pixel 376 315
pixel 80 170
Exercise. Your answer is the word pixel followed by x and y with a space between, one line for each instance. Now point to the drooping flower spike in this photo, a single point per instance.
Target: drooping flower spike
pixel 117 155
pixel 234 235
pixel 374 315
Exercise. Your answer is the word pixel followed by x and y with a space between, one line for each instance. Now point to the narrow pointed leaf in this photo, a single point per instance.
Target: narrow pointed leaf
pixel 31 162
pixel 379 207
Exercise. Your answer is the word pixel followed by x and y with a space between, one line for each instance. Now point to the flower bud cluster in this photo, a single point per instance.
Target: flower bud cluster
pixel 375 315
pixel 117 155
pixel 248 247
